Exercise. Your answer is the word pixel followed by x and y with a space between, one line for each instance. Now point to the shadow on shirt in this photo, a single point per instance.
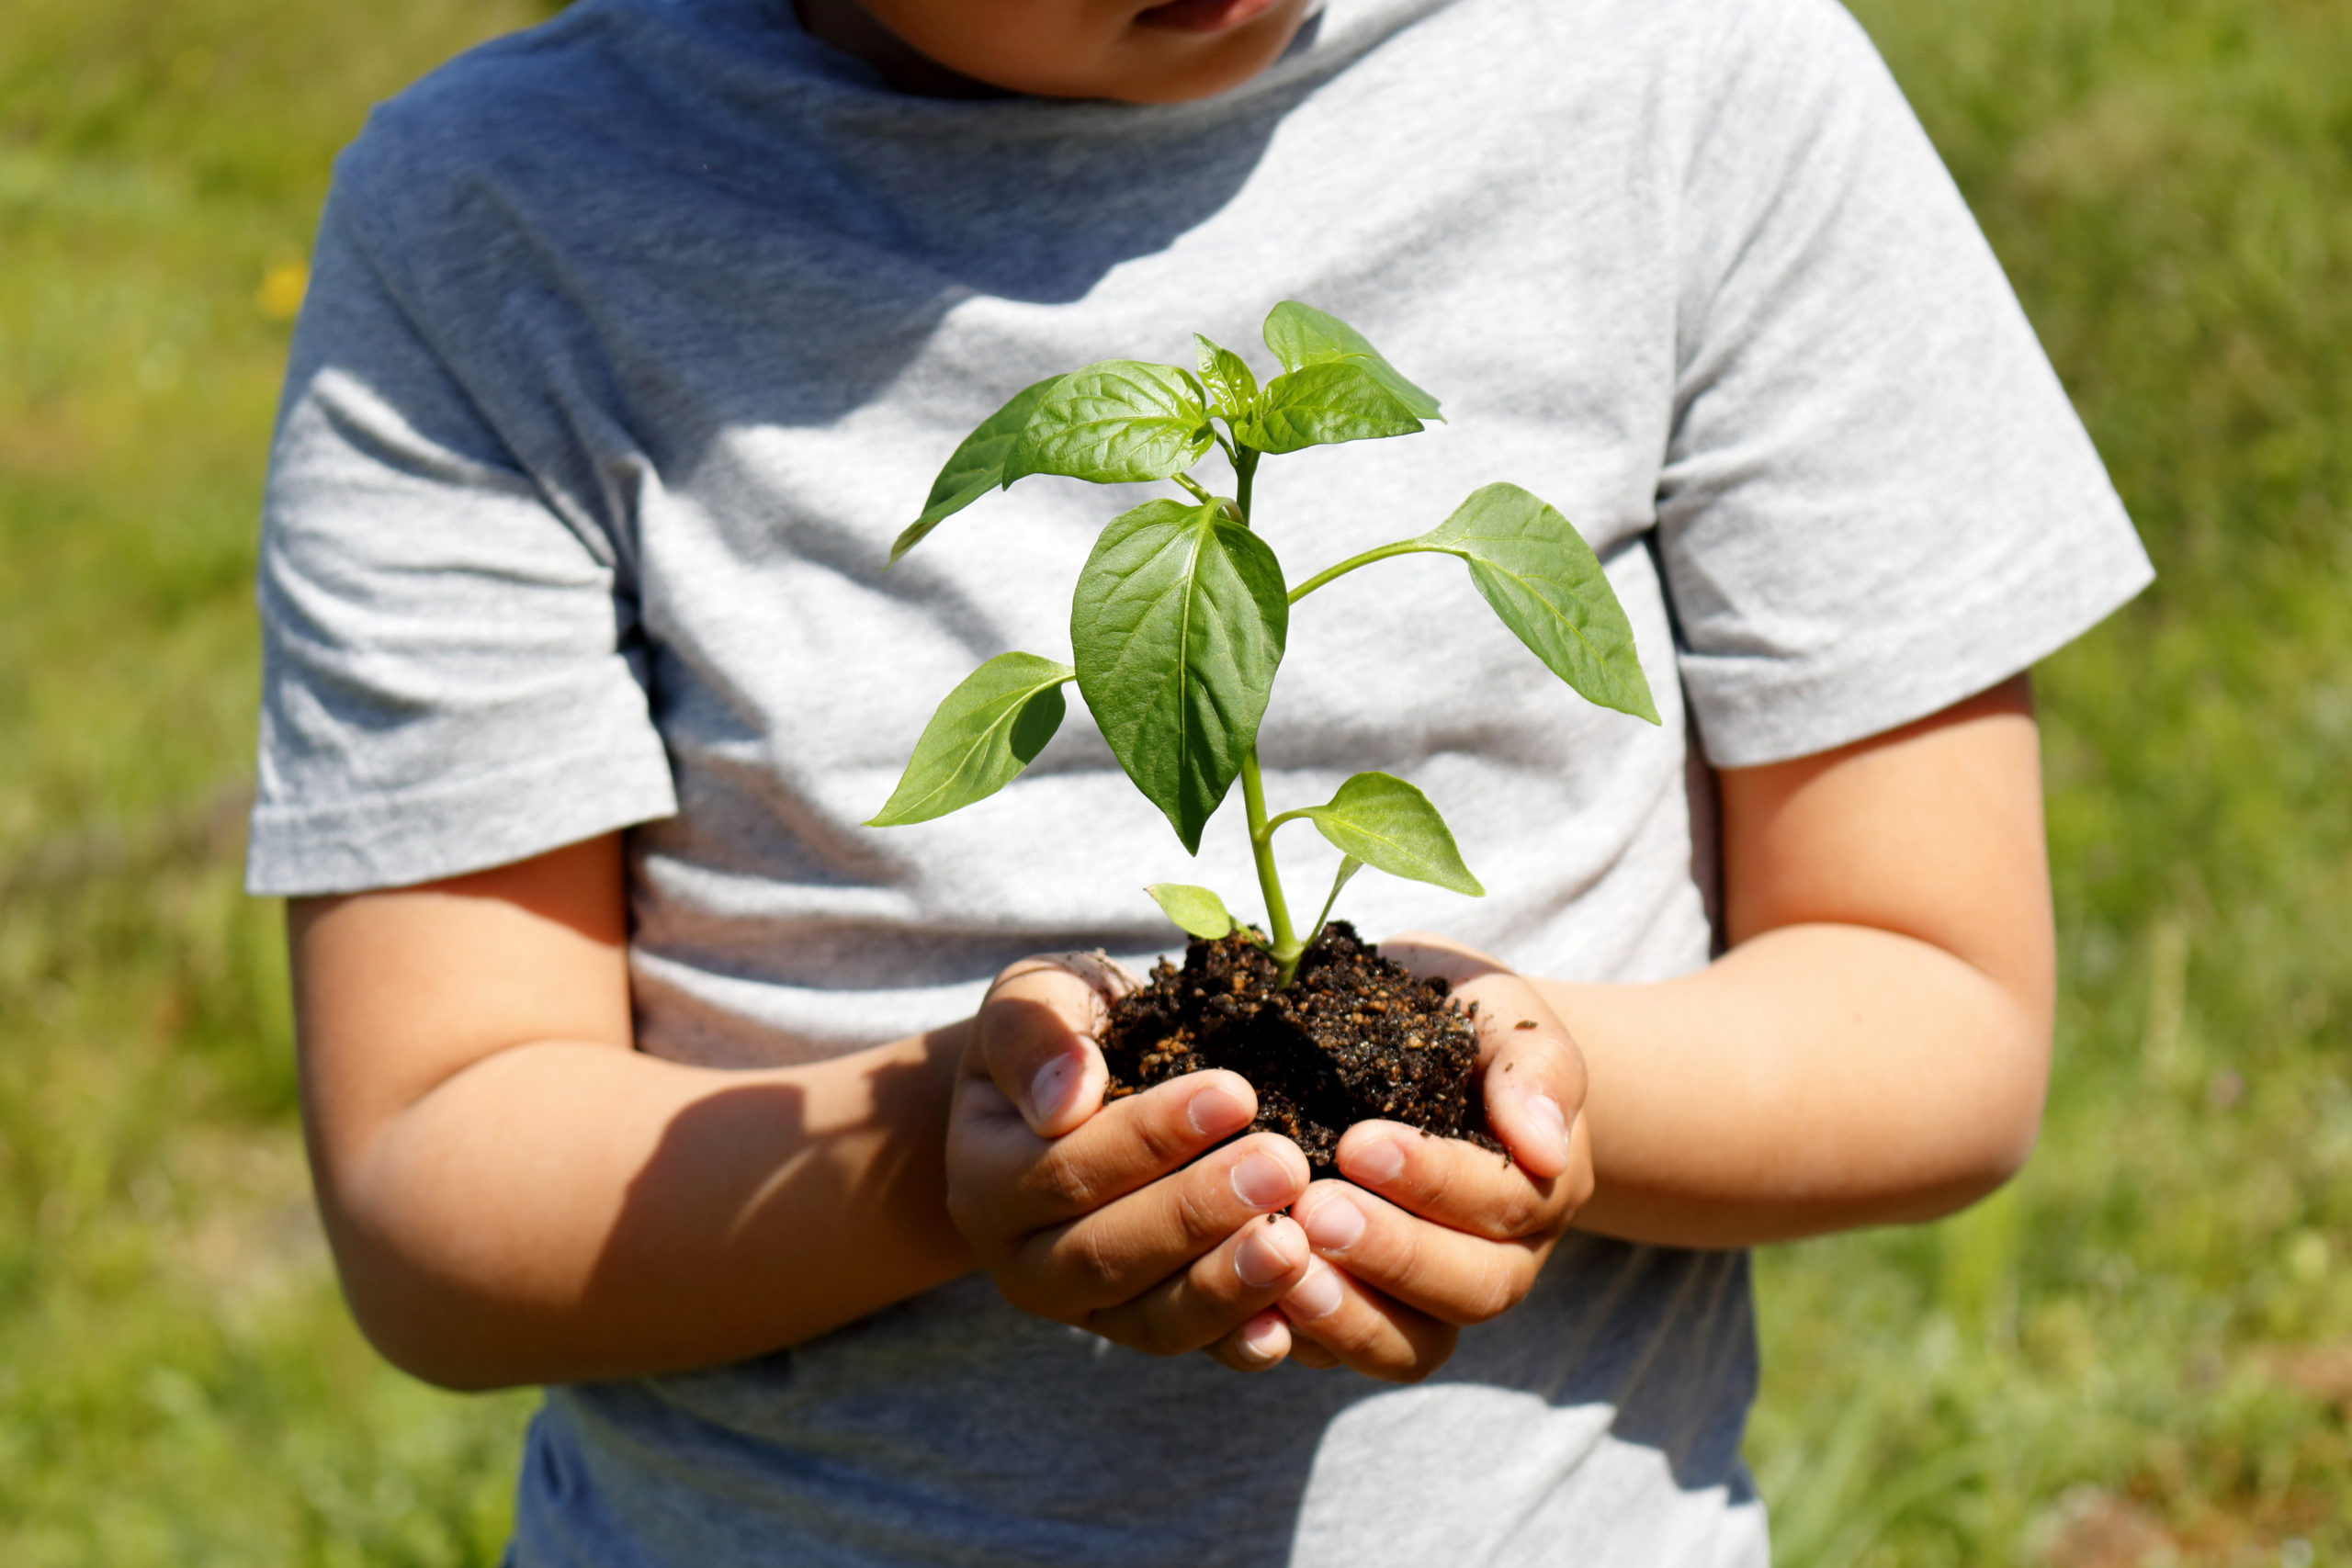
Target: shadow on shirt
pixel 952 1428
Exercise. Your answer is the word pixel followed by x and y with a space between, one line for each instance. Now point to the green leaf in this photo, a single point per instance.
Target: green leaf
pixel 1114 422
pixel 988 730
pixel 1196 910
pixel 1229 377
pixel 1386 823
pixel 1177 628
pixel 1301 335
pixel 1339 401
pixel 977 468
pixel 1543 581
pixel 1349 866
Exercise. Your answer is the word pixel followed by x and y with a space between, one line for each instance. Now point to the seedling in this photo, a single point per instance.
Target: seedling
pixel 1181 613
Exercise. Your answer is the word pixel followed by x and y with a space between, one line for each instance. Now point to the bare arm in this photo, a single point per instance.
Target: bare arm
pixel 516 1195
pixel 1872 1049
pixel 1876 1047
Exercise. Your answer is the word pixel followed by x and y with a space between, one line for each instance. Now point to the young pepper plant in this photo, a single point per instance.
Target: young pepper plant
pixel 1181 613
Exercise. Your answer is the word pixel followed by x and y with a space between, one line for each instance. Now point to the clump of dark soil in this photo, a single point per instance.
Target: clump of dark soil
pixel 1355 1038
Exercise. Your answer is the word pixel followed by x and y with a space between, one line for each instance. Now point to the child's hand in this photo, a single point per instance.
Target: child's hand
pixel 1428 1235
pixel 1097 1215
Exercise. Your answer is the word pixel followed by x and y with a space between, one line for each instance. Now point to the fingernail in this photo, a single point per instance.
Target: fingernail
pixel 1318 1295
pixel 1376 1162
pixel 1258 1260
pixel 1545 1112
pixel 1262 1336
pixel 1264 1182
pixel 1216 1111
pixel 1335 1225
pixel 1052 1089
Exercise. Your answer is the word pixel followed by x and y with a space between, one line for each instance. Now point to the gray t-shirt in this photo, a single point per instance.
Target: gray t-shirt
pixel 633 340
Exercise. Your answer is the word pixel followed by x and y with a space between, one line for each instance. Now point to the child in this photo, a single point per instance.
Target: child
pixel 634 1065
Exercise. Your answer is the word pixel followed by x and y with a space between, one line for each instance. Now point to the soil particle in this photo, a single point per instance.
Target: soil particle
pixel 1353 1038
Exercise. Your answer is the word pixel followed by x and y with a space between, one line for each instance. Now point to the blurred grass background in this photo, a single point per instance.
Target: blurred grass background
pixel 2140 1354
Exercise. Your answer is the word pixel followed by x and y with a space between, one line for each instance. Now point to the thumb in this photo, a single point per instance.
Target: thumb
pixel 1035 1037
pixel 1532 1074
pixel 1534 1086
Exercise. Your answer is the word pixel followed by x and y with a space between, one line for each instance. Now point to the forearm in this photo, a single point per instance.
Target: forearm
pixel 1816 1078
pixel 557 1211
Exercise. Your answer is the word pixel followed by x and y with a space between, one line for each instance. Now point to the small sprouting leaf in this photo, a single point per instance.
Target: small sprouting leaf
pixel 1349 866
pixel 1177 628
pixel 1545 583
pixel 1321 404
pixel 1114 422
pixel 1196 910
pixel 986 730
pixel 1301 335
pixel 1229 377
pixel 1386 823
pixel 975 469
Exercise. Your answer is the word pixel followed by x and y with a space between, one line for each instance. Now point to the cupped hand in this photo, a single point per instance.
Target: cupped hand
pixel 1107 1216
pixel 1427 1235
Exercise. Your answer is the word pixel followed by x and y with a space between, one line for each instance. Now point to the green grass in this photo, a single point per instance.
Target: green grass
pixel 2171 185
pixel 178 1383
pixel 2148 1339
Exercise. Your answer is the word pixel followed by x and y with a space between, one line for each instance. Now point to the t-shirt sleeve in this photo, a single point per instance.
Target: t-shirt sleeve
pixel 1876 499
pixel 452 673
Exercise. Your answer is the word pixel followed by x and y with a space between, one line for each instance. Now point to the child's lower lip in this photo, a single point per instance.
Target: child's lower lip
pixel 1204 16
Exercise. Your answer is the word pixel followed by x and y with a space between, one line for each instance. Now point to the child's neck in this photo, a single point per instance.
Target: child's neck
pixel 850 28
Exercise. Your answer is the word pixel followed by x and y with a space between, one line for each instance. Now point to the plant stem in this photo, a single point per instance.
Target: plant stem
pixel 1194 485
pixel 1285 946
pixel 1401 547
pixel 1245 472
